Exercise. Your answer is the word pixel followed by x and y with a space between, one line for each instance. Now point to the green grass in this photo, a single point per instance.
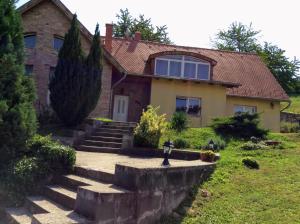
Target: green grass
pixel 242 195
pixel 295 106
pixel 103 119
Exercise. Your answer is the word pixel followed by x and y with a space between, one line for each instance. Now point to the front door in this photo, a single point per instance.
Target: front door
pixel 120 108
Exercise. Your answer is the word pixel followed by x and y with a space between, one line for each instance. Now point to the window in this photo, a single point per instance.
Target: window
pixel 28 70
pixel 182 66
pixel 57 42
pixel 30 40
pixel 189 105
pixel 244 109
pixel 51 72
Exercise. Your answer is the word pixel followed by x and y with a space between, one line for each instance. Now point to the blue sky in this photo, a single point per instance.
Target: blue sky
pixel 195 22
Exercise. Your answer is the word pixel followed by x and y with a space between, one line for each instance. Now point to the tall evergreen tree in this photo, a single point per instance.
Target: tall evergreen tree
pixel 17 94
pixel 66 84
pixel 76 85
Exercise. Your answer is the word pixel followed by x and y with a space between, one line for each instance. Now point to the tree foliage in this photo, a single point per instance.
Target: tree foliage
pixel 243 38
pixel 76 85
pixel 127 26
pixel 17 93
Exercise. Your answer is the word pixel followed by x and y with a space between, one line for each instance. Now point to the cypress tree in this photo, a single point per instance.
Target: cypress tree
pixel 76 85
pixel 17 93
pixel 66 86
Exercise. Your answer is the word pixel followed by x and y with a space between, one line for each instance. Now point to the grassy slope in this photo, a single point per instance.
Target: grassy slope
pixel 295 106
pixel 240 195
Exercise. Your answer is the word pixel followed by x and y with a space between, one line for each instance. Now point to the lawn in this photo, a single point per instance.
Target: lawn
pixel 295 106
pixel 241 195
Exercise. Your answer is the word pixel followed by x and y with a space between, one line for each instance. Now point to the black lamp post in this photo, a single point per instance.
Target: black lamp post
pixel 167 146
pixel 211 144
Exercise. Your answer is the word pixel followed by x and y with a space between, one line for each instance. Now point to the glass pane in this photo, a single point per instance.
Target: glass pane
pixel 194 106
pixel 30 41
pixel 181 104
pixel 189 58
pixel 175 68
pixel 28 69
pixel 203 72
pixel 189 70
pixel 161 67
pixel 238 109
pixel 57 43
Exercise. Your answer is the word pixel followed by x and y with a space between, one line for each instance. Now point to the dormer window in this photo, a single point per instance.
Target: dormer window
pixel 182 66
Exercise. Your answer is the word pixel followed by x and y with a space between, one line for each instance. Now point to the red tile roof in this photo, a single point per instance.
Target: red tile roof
pixel 246 69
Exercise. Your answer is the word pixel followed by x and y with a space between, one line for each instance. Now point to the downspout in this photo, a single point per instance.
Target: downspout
pixel 289 104
pixel 112 90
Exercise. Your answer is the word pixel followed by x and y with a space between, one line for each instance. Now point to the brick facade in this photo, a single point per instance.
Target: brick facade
pixel 46 20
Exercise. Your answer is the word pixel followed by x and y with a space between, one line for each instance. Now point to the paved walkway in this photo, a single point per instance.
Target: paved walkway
pixel 107 161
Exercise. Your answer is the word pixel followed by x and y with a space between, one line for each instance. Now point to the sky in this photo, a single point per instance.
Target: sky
pixel 195 22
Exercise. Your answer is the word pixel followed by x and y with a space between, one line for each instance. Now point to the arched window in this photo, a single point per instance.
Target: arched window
pixel 30 40
pixel 57 42
pixel 182 66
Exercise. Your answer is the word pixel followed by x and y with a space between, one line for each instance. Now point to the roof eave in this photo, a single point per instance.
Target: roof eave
pixel 261 98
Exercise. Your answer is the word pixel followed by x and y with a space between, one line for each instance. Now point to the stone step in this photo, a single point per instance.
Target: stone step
pixel 41 204
pixel 61 195
pixel 121 127
pixel 102 143
pixel 107 134
pixel 112 131
pixel 98 175
pixel 18 216
pixel 102 138
pixel 89 148
pixel 56 218
pixel 120 123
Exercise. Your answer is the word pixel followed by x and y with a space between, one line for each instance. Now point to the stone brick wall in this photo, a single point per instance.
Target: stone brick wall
pixel 46 20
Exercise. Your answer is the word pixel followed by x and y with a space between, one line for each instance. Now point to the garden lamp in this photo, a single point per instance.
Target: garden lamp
pixel 167 146
pixel 211 144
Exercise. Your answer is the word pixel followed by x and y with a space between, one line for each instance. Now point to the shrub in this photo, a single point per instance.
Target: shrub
pixel 253 146
pixel 250 163
pixel 288 127
pixel 179 121
pixel 243 125
pixel 57 157
pixel 207 156
pixel 219 144
pixel 180 143
pixel 150 128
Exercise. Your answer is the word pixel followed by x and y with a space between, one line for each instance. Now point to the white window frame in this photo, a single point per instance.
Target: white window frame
pixel 245 109
pixel 182 61
pixel 188 103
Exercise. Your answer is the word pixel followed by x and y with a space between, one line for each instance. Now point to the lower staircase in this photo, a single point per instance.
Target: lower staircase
pixel 107 138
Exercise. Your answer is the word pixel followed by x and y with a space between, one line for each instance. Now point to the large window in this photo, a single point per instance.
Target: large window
pixel 188 105
pixel 58 42
pixel 28 70
pixel 244 109
pixel 30 40
pixel 182 66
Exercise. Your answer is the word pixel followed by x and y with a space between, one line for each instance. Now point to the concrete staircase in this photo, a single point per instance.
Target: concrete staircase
pixel 61 202
pixel 108 138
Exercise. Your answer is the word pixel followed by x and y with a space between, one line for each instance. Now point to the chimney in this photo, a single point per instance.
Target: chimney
pixel 108 36
pixel 137 36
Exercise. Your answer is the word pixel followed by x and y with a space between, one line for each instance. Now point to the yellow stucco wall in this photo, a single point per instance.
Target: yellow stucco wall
pixel 213 99
pixel 270 116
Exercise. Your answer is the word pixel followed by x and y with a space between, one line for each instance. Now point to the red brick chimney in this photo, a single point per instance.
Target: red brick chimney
pixel 108 36
pixel 137 36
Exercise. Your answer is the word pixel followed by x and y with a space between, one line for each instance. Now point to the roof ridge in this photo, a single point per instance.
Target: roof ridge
pixel 188 47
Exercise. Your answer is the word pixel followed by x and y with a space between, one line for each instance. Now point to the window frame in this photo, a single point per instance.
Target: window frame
pixel 183 61
pixel 188 104
pixel 244 106
pixel 53 42
pixel 30 35
pixel 26 70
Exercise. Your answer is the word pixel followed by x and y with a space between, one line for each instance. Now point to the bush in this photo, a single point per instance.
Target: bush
pixel 250 163
pixel 179 121
pixel 219 144
pixel 207 156
pixel 180 143
pixel 253 146
pixel 150 128
pixel 57 157
pixel 288 127
pixel 243 125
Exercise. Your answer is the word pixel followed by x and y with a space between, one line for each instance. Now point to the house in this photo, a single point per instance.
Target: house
pixel 205 83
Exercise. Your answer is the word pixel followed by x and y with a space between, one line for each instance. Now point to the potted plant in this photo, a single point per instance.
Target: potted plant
pixel 207 156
